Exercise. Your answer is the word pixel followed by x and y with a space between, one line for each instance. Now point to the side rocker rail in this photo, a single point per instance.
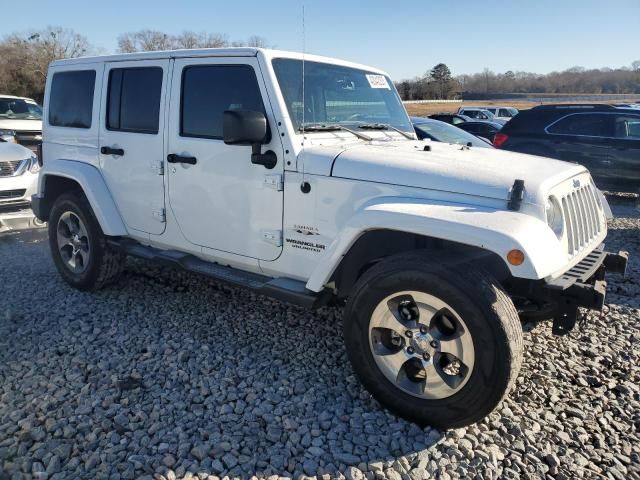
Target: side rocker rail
pixel 285 289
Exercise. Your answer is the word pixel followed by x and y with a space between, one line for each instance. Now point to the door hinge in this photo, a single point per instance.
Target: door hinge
pixel 159 214
pixel 274 237
pixel 157 167
pixel 274 181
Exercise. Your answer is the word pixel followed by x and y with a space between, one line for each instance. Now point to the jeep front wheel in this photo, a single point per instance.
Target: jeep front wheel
pixel 78 247
pixel 435 343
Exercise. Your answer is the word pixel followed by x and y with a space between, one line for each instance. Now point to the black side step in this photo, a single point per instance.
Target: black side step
pixel 285 289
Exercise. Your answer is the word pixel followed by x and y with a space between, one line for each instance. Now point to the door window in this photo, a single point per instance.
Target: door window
pixel 584 124
pixel 71 99
pixel 133 101
pixel 504 113
pixel 209 90
pixel 628 127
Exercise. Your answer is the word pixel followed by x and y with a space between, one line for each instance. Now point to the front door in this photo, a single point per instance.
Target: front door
pixel 219 198
pixel 132 140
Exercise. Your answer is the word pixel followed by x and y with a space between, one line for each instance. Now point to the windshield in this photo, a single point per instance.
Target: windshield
pixel 19 109
pixel 443 132
pixel 339 95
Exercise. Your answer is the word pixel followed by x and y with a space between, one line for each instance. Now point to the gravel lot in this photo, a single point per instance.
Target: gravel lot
pixel 168 375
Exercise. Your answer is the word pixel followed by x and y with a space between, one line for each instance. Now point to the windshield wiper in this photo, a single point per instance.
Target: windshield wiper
pixel 332 127
pixel 386 126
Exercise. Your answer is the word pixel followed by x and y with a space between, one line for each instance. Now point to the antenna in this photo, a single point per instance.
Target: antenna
pixel 304 186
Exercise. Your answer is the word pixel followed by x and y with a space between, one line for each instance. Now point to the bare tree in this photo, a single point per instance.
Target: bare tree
pixel 635 65
pixel 144 41
pixel 25 57
pixel 147 40
pixel 190 39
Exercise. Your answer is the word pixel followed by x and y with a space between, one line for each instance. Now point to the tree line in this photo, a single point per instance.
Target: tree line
pixel 24 57
pixel 439 83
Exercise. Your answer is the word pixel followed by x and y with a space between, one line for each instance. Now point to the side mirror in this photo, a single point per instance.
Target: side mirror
pixel 244 127
pixel 248 127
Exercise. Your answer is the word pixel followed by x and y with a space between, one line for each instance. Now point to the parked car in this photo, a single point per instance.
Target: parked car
pixel 20 121
pixel 321 196
pixel 486 130
pixel 502 113
pixel 18 175
pixel 451 118
pixel 480 114
pixel 427 128
pixel 603 138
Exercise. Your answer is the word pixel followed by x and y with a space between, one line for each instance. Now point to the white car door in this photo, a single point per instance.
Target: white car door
pixel 219 198
pixel 132 140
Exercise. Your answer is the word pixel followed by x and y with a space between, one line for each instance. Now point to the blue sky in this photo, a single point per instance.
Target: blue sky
pixel 406 38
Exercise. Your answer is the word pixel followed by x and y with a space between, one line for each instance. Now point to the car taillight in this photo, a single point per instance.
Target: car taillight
pixel 499 139
pixel 39 154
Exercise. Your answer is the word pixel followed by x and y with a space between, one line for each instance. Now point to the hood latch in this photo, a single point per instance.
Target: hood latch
pixel 516 195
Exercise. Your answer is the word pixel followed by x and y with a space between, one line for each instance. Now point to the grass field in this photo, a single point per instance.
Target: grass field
pixel 425 109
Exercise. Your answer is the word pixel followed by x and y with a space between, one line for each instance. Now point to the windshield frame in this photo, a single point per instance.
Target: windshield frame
pixel 394 111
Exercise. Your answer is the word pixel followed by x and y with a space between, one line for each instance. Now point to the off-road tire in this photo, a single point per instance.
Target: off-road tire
pixel 105 263
pixel 482 303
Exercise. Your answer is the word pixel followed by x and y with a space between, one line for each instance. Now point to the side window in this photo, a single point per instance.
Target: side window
pixel 209 90
pixel 133 101
pixel 587 124
pixel 457 121
pixel 628 127
pixel 71 99
pixel 504 113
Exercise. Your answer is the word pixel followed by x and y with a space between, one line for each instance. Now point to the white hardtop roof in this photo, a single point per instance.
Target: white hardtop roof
pixel 212 52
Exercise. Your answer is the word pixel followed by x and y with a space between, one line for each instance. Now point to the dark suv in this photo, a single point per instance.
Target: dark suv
pixel 603 138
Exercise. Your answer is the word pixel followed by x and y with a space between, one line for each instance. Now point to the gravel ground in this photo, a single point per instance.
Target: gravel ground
pixel 168 375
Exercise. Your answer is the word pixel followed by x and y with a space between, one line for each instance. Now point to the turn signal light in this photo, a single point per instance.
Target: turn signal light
pixel 515 257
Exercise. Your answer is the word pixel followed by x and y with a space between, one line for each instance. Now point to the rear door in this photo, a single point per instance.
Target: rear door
pixel 625 172
pixel 132 140
pixel 584 138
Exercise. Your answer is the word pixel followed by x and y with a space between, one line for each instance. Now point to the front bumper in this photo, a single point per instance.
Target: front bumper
pixel 582 286
pixel 17 191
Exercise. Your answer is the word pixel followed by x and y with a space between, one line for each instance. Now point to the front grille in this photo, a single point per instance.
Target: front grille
pixel 582 217
pixel 7 169
pixel 12 194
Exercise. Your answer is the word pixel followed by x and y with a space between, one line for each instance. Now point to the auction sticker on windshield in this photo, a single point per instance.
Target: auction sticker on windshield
pixel 377 81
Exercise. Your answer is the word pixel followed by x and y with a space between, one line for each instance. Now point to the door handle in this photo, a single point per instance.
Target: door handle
pixel 112 151
pixel 605 162
pixel 173 158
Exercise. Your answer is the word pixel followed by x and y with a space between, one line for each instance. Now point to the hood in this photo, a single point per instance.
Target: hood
pixel 21 125
pixel 12 151
pixel 481 172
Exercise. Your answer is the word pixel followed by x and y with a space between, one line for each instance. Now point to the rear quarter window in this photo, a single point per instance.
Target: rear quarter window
pixel 71 99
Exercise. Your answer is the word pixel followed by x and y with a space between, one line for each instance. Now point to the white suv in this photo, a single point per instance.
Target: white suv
pixel 502 113
pixel 226 163
pixel 20 121
pixel 18 175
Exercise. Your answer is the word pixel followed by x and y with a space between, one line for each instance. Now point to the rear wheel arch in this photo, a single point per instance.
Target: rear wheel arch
pixel 376 245
pixel 53 187
pixel 76 177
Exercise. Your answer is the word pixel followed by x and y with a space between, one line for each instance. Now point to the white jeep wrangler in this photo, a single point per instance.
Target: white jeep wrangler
pixel 300 177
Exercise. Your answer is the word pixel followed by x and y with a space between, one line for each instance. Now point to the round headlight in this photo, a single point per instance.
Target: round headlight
pixel 555 219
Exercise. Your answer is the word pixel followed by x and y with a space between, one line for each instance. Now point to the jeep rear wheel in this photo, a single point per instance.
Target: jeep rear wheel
pixel 435 343
pixel 78 247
